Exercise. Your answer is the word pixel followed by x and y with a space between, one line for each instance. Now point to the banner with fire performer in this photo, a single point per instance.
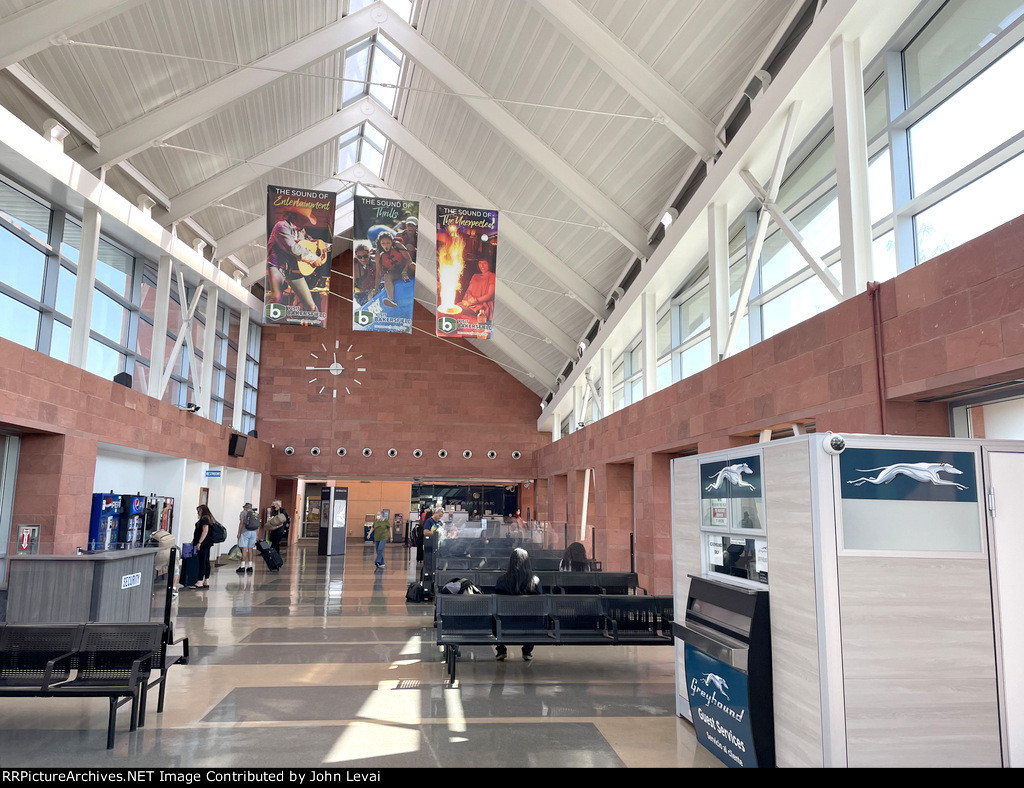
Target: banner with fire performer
pixel 300 231
pixel 384 264
pixel 467 250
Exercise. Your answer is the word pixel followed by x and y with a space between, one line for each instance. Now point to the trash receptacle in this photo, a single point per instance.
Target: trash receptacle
pixel 728 666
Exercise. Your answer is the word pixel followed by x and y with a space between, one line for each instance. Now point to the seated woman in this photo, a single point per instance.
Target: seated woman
pixel 518 579
pixel 574 559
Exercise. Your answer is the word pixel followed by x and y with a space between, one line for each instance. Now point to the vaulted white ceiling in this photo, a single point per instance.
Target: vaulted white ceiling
pixel 576 118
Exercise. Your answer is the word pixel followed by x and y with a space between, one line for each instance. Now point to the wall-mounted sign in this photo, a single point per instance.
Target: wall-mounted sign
pixel 910 500
pixel 737 477
pixel 131 581
pixel 213 474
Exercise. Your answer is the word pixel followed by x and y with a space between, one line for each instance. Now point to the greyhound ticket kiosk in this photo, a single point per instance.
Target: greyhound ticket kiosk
pixel 728 660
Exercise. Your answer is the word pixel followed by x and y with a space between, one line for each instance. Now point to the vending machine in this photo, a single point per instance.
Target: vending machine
pixel 159 511
pixel 104 522
pixel 133 521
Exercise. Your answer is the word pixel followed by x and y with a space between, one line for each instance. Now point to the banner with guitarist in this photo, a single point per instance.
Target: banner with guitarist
pixel 384 264
pixel 300 231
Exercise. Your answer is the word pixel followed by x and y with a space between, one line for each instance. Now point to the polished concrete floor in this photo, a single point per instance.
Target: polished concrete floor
pixel 324 664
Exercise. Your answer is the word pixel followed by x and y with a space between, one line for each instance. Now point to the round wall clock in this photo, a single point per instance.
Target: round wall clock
pixel 338 376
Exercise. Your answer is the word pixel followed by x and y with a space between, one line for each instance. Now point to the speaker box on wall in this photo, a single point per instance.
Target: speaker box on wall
pixel 236 446
pixel 124 379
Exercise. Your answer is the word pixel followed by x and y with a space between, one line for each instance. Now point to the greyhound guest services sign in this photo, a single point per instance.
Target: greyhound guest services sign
pixel 910 501
pixel 720 707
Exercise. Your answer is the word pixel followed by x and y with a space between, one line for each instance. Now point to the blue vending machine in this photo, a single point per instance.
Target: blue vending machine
pixel 133 521
pixel 104 523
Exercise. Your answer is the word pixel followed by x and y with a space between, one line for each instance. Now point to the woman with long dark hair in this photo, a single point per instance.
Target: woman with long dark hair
pixel 574 559
pixel 518 579
pixel 202 540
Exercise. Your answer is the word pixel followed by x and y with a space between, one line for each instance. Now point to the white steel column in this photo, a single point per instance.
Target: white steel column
pixel 649 342
pixel 718 277
pixel 240 366
pixel 606 382
pixel 85 283
pixel 851 165
pixel 209 351
pixel 158 352
pixel 774 182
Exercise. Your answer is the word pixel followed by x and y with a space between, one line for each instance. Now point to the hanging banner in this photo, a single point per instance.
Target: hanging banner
pixel 467 249
pixel 300 231
pixel 383 264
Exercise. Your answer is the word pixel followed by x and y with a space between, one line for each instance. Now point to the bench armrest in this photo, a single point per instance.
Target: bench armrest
pixel 137 667
pixel 48 670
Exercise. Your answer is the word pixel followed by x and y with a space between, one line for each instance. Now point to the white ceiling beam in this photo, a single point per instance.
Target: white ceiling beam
pixel 249 232
pixel 220 186
pixel 527 362
pixel 506 297
pixel 34 29
pixel 804 77
pixel 27 156
pixel 60 110
pixel 619 223
pixel 229 181
pixel 201 103
pixel 536 252
pixel 510 348
pixel 624 66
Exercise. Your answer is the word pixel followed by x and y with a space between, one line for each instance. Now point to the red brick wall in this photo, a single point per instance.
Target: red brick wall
pixel 63 412
pixel 418 392
pixel 949 325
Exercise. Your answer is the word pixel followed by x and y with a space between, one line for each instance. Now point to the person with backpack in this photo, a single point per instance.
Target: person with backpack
pixel 277 525
pixel 248 527
pixel 202 540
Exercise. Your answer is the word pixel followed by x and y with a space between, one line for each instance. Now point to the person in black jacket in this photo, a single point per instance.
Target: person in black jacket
pixel 518 579
pixel 202 540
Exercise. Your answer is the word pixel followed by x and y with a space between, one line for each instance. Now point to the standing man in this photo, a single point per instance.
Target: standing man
pixel 381 532
pixel 248 525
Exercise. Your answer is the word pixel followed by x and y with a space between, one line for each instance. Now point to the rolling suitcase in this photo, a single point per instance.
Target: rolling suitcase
pixel 189 571
pixel 270 555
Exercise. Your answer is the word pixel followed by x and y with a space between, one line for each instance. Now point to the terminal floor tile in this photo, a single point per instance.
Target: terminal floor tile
pixel 326 665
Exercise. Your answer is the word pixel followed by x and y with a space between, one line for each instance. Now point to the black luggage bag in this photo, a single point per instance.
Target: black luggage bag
pixel 270 555
pixel 189 571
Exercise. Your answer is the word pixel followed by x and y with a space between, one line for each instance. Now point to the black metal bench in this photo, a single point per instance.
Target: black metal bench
pixel 550 619
pixel 551 581
pixel 118 661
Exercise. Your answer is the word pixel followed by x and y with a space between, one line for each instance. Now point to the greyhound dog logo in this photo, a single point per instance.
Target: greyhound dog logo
pixel 918 471
pixel 718 681
pixel 732 474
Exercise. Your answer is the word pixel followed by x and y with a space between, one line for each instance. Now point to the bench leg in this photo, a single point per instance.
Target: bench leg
pixel 163 683
pixel 111 723
pixel 143 694
pixel 135 711
pixel 451 658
